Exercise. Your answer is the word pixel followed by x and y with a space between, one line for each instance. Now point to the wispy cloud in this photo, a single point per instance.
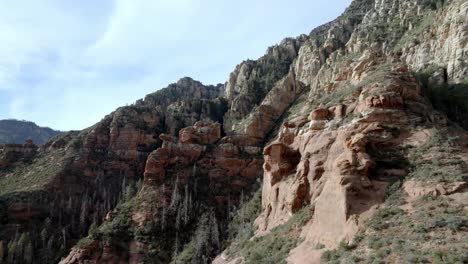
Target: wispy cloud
pixel 66 64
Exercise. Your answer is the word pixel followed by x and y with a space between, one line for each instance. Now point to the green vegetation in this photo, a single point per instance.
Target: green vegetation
pixel 452 99
pixel 380 74
pixel 432 230
pixel 84 242
pixel 241 227
pixel 435 160
pixel 186 255
pixel 33 176
pixel 117 230
pixel 337 96
pixel 20 250
pixel 433 4
pixel 413 36
pixel 273 247
pixel 435 232
pixel 385 218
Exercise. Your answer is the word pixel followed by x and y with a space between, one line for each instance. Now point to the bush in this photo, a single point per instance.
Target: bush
pixel 382 219
pixel 330 255
pixel 84 242
pixel 433 4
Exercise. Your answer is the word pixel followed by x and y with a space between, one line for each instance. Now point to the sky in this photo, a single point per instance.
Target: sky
pixel 66 63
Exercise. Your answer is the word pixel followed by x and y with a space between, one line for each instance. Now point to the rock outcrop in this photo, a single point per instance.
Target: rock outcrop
pixel 330 120
pixel 82 174
pixel 213 172
pixel 327 162
pixel 364 101
pixel 11 153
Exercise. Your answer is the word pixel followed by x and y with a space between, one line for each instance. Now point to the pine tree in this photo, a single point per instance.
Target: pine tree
pixel 28 253
pixel 176 246
pixel 129 192
pixel 64 237
pixel 163 218
pixel 83 214
pixel 92 229
pixel 2 252
pixel 139 184
pixel 206 238
pixel 214 231
pixel 44 236
pixel 178 219
pixel 175 194
pixel 48 257
pixel 123 186
pixel 11 251
pixel 22 242
pixel 70 203
pixel 186 206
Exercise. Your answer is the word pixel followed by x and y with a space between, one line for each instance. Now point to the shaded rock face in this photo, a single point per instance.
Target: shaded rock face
pixel 251 81
pixel 212 170
pixel 262 119
pixel 11 153
pixel 185 113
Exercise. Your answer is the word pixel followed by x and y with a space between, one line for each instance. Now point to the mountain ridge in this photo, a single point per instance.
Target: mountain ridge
pixel 13 131
pixel 352 146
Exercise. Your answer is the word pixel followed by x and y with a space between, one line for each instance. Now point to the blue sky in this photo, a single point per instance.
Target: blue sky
pixel 67 63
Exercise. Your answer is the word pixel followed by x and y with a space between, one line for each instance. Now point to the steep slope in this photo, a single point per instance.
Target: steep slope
pixel 49 199
pixel 203 173
pixel 365 125
pixel 17 132
pixel 355 128
pixel 258 94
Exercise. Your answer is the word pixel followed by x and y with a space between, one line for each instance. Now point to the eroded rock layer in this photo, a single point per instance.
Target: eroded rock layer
pixel 328 120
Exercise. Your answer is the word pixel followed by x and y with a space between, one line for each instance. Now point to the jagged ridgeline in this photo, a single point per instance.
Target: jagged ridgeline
pixel 17 132
pixel 344 145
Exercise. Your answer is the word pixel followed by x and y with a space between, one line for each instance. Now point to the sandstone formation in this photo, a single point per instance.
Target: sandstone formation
pixel 337 123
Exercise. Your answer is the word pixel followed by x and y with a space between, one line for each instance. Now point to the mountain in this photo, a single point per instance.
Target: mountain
pixel 348 144
pixel 18 131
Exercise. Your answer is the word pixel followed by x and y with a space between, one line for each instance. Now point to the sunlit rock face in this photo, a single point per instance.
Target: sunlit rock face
pixel 313 119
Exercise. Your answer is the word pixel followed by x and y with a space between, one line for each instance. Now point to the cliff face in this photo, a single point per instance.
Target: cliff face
pixel 366 125
pixel 351 127
pixel 54 193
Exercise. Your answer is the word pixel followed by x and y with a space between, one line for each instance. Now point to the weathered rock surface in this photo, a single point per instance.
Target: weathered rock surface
pixel 251 81
pixel 81 173
pixel 317 117
pixel 199 155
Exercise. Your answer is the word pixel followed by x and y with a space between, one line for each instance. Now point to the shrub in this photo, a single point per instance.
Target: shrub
pixel 381 219
pixel 330 255
pixel 319 246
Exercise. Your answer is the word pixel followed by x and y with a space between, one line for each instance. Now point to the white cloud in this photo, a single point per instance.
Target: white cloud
pixel 66 64
pixel 138 29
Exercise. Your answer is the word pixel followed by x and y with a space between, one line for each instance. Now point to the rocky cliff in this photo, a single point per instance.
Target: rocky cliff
pixel 357 130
